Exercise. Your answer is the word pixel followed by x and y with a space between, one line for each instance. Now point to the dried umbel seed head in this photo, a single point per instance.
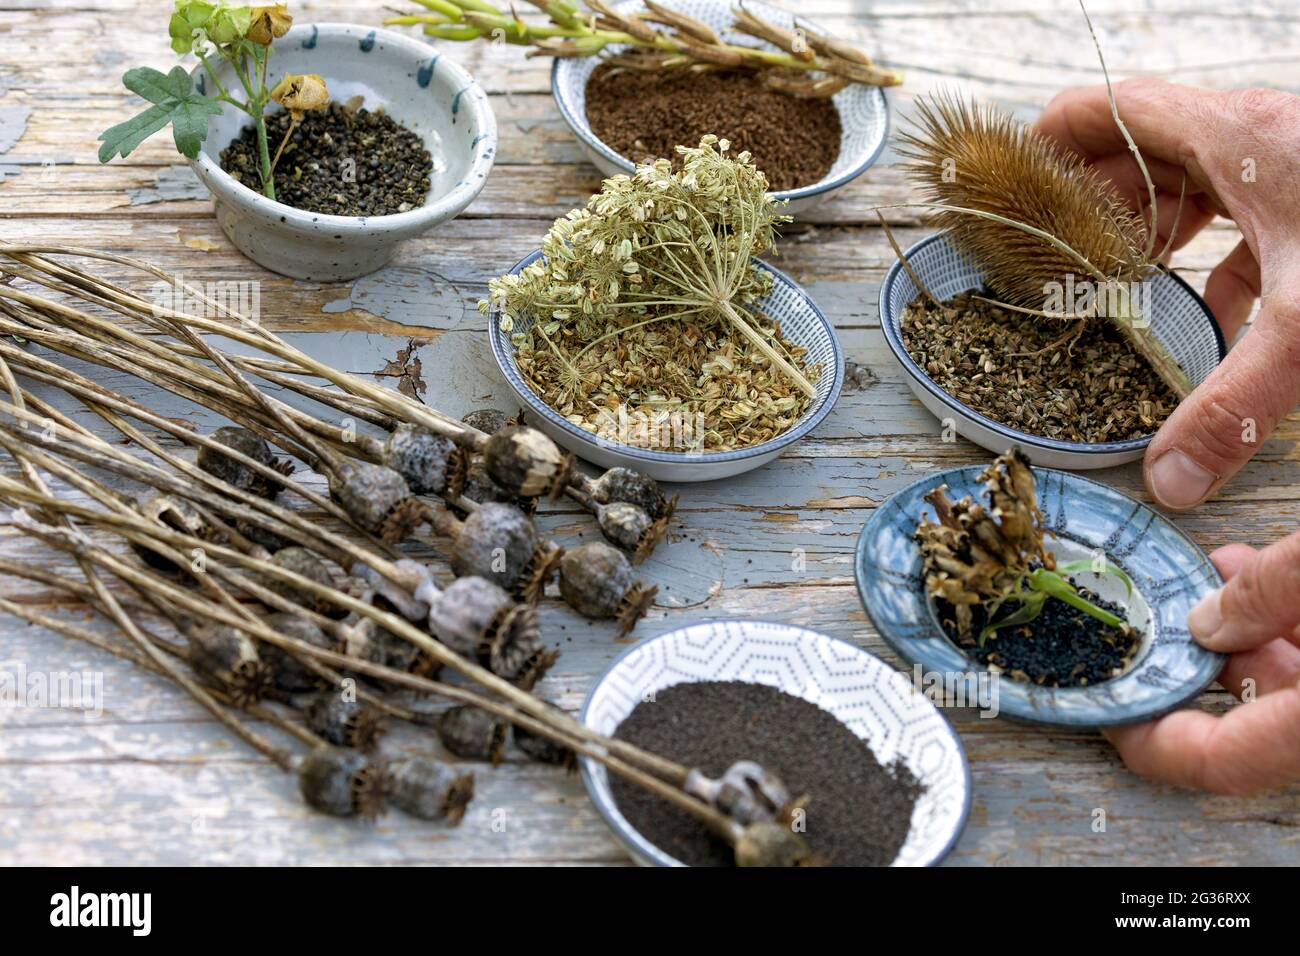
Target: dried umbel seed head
pixel 747 792
pixel 369 641
pixel 633 488
pixel 473 734
pixel 306 564
pixel 498 542
pixel 228 659
pixel 378 500
pixel 629 527
pixel 291 675
pixel 342 782
pixel 769 843
pixel 596 581
pixel 429 789
pixel 525 462
pixel 430 463
pixel 341 721
pixel 178 515
pixel 236 472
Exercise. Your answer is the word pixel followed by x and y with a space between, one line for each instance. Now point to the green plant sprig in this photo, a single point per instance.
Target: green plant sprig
pixel 1035 588
pixel 241 36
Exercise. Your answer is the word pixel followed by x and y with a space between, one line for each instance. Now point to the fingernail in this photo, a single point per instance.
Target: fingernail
pixel 1179 482
pixel 1205 619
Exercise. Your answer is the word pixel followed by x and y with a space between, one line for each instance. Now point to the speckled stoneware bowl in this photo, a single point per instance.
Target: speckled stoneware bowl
pixel 1179 318
pixel 801 322
pixel 864 111
pixel 872 699
pixel 1169 573
pixel 413 83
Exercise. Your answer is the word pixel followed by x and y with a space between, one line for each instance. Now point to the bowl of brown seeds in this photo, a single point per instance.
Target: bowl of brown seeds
pixel 1002 378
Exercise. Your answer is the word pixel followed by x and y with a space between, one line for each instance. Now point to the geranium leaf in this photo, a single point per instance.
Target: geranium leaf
pixel 174 101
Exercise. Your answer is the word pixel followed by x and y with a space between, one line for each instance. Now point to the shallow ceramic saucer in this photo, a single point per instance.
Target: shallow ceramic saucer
pixel 1170 573
pixel 873 700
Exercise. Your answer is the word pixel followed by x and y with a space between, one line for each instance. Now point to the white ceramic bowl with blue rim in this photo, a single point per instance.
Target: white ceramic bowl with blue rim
pixel 1169 573
pixel 421 89
pixel 873 700
pixel 1179 318
pixel 864 110
pixel 801 322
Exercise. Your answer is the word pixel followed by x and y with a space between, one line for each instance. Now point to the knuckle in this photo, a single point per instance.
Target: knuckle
pixel 1257 111
pixel 1216 432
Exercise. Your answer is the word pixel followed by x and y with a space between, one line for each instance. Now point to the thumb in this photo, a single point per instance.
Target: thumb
pixel 1216 429
pixel 1257 605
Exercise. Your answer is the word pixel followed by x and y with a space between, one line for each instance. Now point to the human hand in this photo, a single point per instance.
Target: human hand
pixel 1255 618
pixel 1238 150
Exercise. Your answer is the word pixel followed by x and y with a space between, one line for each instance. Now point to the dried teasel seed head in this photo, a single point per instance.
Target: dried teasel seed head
pixel 429 789
pixel 498 543
pixel 342 721
pixel 634 488
pixel 306 564
pixel 342 782
pixel 747 792
pixel 473 734
pixel 525 462
pixel 597 581
pixel 178 515
pixel 430 463
pixel 236 472
pixel 378 499
pixel 291 675
pixel 228 659
pixel 629 527
pixel 769 843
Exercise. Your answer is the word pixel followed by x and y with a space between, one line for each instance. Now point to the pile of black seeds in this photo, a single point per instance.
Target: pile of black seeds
pixel 339 161
pixel 859 813
pixel 1016 369
pixel 645 115
pixel 1062 647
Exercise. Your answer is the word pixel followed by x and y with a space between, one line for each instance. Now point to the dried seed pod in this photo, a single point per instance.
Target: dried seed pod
pixel 340 721
pixel 473 734
pixel 306 564
pixel 378 500
pixel 633 488
pixel 544 749
pixel 478 620
pixel 236 472
pixel 291 675
pixel 747 792
pixel 227 658
pixel 487 420
pixel 769 843
pixel 525 462
pixel 629 527
pixel 430 463
pixel 516 651
pixel 498 543
pixel 596 580
pixel 429 789
pixel 369 641
pixel 178 515
pixel 342 782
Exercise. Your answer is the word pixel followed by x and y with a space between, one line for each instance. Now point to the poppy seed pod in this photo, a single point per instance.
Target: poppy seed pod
pixel 377 499
pixel 305 564
pixel 747 792
pixel 525 462
pixel 340 721
pixel 178 515
pixel 342 782
pixel 429 789
pixel 473 734
pixel 487 420
pixel 236 472
pixel 544 749
pixel 291 675
pixel 372 642
pixel 629 527
pixel 227 659
pixel 477 619
pixel 771 844
pixel 596 581
pixel 633 488
pixel 430 463
pixel 498 543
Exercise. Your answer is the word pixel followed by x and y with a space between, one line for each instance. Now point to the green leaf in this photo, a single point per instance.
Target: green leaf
pixel 1031 605
pixel 174 101
pixel 1086 565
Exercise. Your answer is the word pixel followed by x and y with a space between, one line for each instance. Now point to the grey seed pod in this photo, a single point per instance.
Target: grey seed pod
pixel 525 462
pixel 634 488
pixel 178 515
pixel 596 581
pixel 473 734
pixel 342 783
pixel 343 722
pixel 487 420
pixel 498 542
pixel 747 792
pixel 543 749
pixel 429 789
pixel 770 844
pixel 430 463
pixel 378 499
pixel 236 472
pixel 291 675
pixel 515 650
pixel 306 564
pixel 226 658
pixel 467 614
pixel 369 641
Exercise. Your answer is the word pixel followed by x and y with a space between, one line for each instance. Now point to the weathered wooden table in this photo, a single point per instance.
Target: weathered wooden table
pixel 154 780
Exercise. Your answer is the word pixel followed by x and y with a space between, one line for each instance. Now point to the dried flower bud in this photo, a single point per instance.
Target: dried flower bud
pixel 343 783
pixel 226 658
pixel 341 721
pixel 178 515
pixel 430 790
pixel 771 844
pixel 473 734
pixel 634 488
pixel 291 675
pixel 304 563
pixel 629 527
pixel 525 462
pixel 301 92
pixel 268 23
pixel 596 581
pixel 236 472
pixel 378 500
pixel 430 463
pixel 498 543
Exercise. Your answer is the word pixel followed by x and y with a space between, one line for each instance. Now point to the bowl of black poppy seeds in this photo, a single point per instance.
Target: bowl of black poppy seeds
pixel 885 774
pixel 405 143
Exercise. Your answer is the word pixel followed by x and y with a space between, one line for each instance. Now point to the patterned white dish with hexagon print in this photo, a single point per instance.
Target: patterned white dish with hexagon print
pixel 873 700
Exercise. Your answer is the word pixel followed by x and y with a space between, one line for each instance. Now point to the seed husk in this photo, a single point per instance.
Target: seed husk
pixel 342 782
